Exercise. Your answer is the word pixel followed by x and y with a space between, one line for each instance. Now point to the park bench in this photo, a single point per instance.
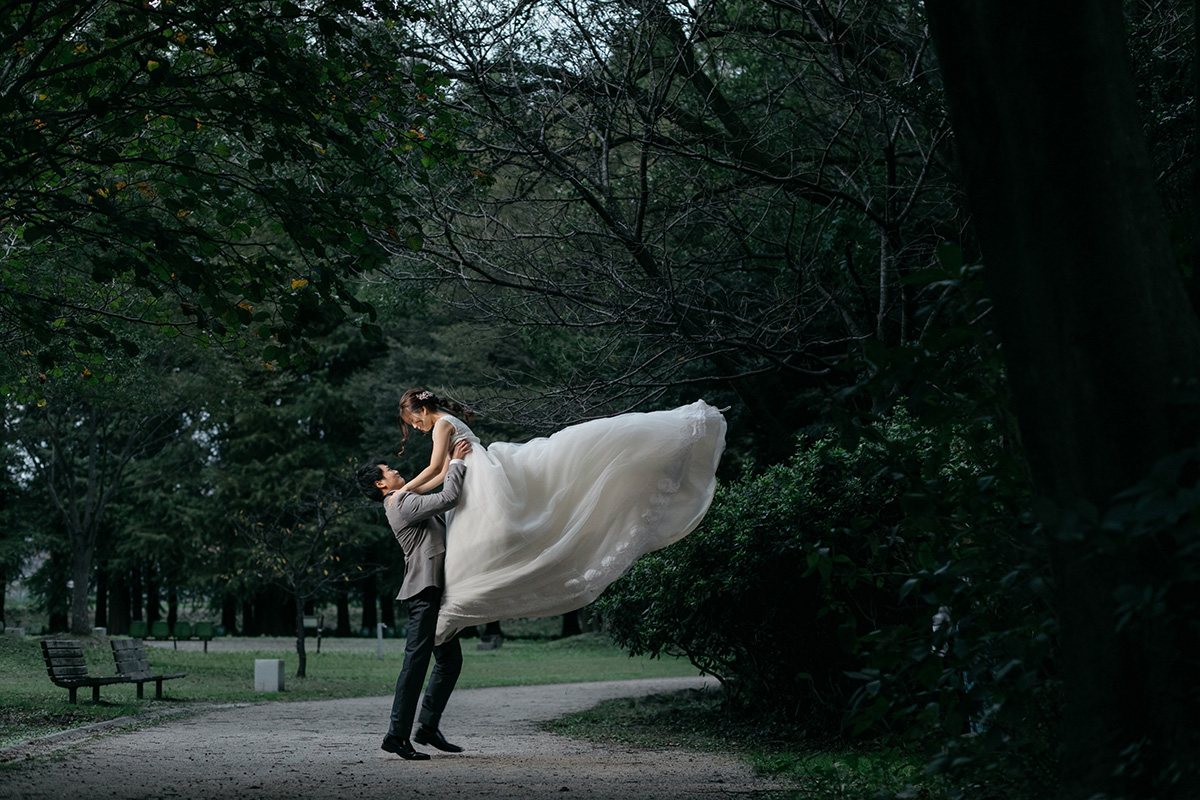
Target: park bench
pixel 68 669
pixel 134 667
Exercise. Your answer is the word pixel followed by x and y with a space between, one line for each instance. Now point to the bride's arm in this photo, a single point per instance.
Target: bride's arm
pixel 439 460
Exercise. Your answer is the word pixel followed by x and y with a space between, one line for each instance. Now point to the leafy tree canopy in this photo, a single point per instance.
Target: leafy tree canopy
pixel 208 169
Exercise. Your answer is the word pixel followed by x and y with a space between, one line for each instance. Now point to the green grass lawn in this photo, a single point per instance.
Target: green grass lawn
pixel 32 706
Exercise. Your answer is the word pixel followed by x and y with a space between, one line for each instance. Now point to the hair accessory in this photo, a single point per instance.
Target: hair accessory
pixel 426 395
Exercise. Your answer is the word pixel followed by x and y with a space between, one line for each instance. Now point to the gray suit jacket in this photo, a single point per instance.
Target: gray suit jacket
pixel 421 531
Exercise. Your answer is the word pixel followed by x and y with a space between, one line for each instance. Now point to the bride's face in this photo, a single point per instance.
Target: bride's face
pixel 419 418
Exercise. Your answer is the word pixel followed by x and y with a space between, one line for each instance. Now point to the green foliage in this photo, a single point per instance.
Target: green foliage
pixel 199 168
pixel 291 516
pixel 790 568
pixel 19 508
pixel 83 446
pixel 810 588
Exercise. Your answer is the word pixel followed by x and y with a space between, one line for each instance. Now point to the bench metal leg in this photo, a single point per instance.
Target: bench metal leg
pixel 158 690
pixel 139 685
pixel 96 694
pixel 74 698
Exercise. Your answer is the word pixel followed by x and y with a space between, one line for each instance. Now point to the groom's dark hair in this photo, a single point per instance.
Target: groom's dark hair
pixel 365 478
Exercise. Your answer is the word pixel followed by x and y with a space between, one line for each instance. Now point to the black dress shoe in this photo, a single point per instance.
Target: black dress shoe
pixel 402 748
pixel 434 737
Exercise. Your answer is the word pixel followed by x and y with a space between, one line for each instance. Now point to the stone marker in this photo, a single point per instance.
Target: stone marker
pixel 268 674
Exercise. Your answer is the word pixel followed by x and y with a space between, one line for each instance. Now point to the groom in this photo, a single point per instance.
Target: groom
pixel 416 520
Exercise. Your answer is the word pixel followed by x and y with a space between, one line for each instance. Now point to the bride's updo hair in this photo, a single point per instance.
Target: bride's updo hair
pixel 417 399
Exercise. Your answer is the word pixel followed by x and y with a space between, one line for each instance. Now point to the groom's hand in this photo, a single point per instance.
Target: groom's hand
pixel 461 449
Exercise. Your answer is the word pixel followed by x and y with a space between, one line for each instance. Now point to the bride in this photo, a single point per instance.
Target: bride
pixel 543 527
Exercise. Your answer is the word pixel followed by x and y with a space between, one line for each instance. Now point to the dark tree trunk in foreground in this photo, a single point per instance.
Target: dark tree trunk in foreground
pixel 1099 341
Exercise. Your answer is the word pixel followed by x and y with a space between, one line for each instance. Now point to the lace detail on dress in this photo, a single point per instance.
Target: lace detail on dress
pixel 461 431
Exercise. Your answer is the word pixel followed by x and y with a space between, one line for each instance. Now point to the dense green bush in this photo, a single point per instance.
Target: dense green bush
pixel 774 592
pixel 810 588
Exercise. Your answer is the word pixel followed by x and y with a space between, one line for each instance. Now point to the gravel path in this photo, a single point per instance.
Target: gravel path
pixel 330 748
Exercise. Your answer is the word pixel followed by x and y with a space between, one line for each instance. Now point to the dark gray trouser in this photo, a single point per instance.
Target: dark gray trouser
pixel 422 625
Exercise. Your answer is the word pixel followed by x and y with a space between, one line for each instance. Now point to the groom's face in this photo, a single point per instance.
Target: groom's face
pixel 390 481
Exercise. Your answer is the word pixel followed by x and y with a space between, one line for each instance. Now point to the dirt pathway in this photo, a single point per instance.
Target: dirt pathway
pixel 330 748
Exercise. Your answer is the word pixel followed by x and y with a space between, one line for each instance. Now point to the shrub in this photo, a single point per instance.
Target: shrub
pixel 774 592
pixel 810 588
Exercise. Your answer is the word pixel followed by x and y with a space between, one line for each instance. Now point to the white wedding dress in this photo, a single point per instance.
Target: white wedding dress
pixel 543 527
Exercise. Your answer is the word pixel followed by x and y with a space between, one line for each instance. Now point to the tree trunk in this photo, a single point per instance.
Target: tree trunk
pixel 101 596
pixel 172 606
pixel 273 611
pixel 229 614
pixel 343 613
pixel 136 596
pixel 387 611
pixel 1099 340
pixel 301 653
pixel 370 596
pixel 81 575
pixel 153 607
pixel 1194 286
pixel 119 602
pixel 58 596
pixel 249 621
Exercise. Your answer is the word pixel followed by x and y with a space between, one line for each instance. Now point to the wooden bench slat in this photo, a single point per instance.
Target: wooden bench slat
pixel 130 657
pixel 72 662
pixel 59 670
pixel 134 665
pixel 67 668
pixel 90 680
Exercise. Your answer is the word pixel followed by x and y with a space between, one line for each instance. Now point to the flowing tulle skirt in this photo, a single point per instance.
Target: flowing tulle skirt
pixel 544 527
